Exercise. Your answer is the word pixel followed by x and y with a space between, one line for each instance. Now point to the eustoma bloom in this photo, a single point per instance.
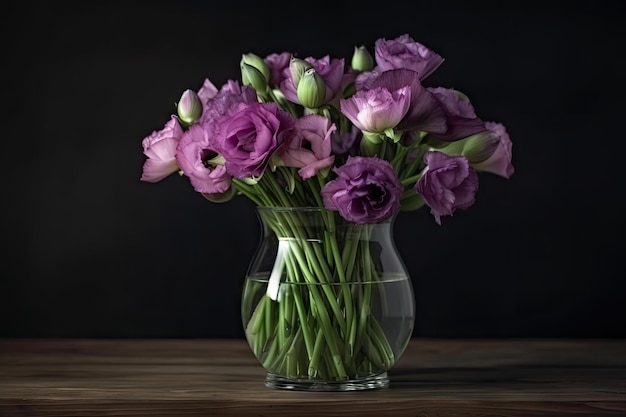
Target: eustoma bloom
pixel 160 148
pixel 307 146
pixel 366 190
pixel 448 183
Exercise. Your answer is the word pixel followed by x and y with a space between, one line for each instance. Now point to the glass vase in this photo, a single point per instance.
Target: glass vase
pixel 327 305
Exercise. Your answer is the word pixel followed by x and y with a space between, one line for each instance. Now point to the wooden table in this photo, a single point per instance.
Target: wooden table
pixel 526 378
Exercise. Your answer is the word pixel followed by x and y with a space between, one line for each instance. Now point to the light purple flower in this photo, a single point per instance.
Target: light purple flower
pixel 499 162
pixel 207 91
pixel 160 148
pixel 376 109
pixel 307 145
pixel 404 52
pixel 425 113
pixel 460 115
pixel 195 155
pixel 248 137
pixel 366 190
pixel 448 183
pixel 277 64
pixel 334 73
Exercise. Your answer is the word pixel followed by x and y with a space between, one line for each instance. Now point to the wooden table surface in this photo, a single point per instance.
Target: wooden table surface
pixel 203 377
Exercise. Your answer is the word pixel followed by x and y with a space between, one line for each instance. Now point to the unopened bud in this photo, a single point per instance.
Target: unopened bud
pixel 362 60
pixel 476 148
pixel 252 76
pixel 480 147
pixel 311 89
pixel 221 197
pixel 189 108
pixel 258 63
pixel 297 68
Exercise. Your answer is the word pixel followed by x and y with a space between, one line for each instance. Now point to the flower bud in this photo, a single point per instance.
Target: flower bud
pixel 221 197
pixel 362 60
pixel 311 89
pixel 252 76
pixel 189 108
pixel 480 147
pixel 476 148
pixel 297 68
pixel 258 63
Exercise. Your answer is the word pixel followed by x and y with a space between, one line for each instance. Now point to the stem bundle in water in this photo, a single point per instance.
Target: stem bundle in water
pixel 315 318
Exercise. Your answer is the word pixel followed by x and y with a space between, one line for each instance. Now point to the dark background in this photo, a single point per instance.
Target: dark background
pixel 90 251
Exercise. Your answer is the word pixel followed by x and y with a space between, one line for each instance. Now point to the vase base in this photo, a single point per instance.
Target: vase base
pixel 371 382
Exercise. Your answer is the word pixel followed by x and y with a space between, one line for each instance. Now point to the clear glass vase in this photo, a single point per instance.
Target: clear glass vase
pixel 327 305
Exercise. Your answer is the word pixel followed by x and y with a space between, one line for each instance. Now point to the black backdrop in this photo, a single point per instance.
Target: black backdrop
pixel 90 251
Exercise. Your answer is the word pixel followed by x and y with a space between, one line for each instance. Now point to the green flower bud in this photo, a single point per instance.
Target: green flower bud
pixel 258 63
pixel 480 147
pixel 298 67
pixel 475 148
pixel 362 60
pixel 221 197
pixel 311 89
pixel 252 76
pixel 189 108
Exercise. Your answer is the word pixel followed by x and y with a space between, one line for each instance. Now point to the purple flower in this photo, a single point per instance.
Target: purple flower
pixel 333 72
pixel 307 145
pixel 461 117
pixel 199 160
pixel 447 184
pixel 160 148
pixel 499 162
pixel 404 52
pixel 366 190
pixel 226 100
pixel 346 143
pixel 248 137
pixel 377 109
pixel 207 91
pixel 425 113
pixel 277 64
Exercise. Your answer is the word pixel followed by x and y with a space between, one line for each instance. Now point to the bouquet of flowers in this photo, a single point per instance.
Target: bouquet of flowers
pixel 362 140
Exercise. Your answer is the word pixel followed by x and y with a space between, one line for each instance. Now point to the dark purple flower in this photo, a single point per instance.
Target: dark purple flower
pixel 200 161
pixel 404 52
pixel 248 137
pixel 346 143
pixel 366 190
pixel 448 183
pixel 460 115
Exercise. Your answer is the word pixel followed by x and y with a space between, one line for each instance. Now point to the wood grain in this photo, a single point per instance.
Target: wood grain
pixel 147 377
